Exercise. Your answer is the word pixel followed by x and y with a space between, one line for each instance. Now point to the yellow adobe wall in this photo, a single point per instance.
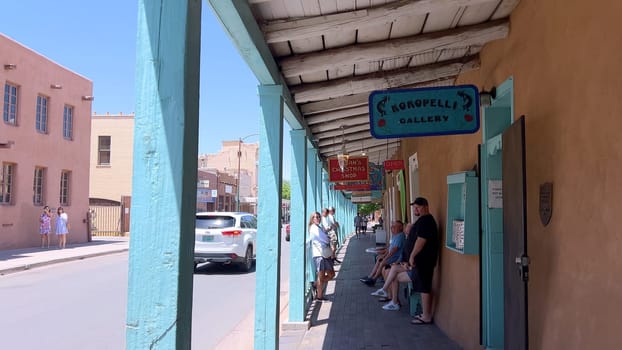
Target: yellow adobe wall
pixel 565 59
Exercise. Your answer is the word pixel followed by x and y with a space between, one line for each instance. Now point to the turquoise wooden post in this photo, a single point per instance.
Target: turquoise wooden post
pixel 298 226
pixel 267 285
pixel 159 306
pixel 325 189
pixel 312 203
pixel 318 185
pixel 311 181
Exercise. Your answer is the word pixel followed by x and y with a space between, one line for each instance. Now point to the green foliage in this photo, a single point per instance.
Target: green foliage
pixel 286 191
pixel 369 208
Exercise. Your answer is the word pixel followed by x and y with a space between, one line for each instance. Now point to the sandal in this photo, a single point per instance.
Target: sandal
pixel 418 320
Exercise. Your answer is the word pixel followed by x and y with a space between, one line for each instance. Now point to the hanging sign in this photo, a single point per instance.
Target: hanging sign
pixel 357 169
pixel 393 164
pixel 433 111
pixel 352 187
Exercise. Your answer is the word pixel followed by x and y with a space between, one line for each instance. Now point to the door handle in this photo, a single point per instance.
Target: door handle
pixel 523 266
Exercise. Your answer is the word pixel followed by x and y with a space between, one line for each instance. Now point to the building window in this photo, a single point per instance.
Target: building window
pixel 38 185
pixel 42 114
pixel 103 150
pixel 68 122
pixel 65 178
pixel 10 104
pixel 6 183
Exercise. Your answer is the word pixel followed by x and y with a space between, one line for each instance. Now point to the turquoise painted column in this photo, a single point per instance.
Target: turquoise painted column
pixel 268 267
pixel 311 180
pixel 311 201
pixel 159 304
pixel 325 189
pixel 319 183
pixel 298 226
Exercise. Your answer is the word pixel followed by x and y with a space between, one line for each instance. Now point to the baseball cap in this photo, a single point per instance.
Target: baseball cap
pixel 420 201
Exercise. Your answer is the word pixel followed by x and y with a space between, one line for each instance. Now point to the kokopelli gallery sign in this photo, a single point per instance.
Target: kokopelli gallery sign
pixel 424 112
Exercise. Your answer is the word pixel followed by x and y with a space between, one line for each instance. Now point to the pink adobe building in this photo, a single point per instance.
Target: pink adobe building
pixel 44 145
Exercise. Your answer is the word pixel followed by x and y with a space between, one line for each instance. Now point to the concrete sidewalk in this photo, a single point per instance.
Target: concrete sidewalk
pixel 16 260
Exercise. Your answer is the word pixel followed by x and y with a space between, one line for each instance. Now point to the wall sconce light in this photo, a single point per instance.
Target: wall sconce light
pixel 56 86
pixel 10 66
pixel 88 98
pixel 486 97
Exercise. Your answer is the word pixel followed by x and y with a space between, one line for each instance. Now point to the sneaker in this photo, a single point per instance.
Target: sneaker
pixel 370 282
pixel 380 293
pixel 391 306
pixel 364 279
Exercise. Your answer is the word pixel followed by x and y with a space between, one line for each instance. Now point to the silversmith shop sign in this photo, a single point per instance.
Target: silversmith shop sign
pixel 424 112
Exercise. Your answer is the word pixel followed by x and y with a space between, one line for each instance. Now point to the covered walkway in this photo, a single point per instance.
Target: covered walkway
pixel 353 319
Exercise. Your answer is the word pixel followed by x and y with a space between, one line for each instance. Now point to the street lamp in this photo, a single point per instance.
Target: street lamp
pixel 237 185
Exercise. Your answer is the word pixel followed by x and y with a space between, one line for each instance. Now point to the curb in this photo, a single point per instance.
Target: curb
pixel 59 260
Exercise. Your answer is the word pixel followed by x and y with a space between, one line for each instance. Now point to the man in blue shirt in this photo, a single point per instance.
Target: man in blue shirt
pixel 386 257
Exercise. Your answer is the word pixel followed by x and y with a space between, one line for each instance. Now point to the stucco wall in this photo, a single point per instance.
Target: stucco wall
pixel 34 74
pixel 114 180
pixel 564 58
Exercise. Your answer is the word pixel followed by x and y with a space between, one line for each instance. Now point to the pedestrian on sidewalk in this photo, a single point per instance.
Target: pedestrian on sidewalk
pixel 45 227
pixel 320 243
pixel 62 227
pixel 357 224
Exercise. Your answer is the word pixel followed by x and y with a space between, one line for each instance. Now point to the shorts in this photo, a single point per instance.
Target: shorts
pixel 323 264
pixel 422 279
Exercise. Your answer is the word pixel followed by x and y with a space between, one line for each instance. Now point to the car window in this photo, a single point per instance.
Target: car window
pixel 214 221
pixel 252 221
pixel 244 222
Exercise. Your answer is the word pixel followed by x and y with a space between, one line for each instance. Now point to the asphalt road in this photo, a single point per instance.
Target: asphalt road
pixel 82 304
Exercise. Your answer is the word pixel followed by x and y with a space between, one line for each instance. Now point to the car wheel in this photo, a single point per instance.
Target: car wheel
pixel 247 264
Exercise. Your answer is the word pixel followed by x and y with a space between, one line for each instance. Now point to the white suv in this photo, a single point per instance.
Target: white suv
pixel 225 237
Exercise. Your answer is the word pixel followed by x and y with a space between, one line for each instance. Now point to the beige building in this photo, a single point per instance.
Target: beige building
pixel 112 142
pixel 44 141
pixel 227 161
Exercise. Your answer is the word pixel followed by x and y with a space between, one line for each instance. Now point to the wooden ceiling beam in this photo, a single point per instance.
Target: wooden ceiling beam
pixel 380 149
pixel 307 27
pixel 351 146
pixel 338 114
pixel 336 124
pixel 334 104
pixel 383 80
pixel 464 37
pixel 336 131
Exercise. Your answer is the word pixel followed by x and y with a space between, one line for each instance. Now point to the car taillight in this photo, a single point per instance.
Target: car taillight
pixel 232 233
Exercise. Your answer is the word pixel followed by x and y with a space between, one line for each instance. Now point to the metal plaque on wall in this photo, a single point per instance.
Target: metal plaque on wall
pixel 546 202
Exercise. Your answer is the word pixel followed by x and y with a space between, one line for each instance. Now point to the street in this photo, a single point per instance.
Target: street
pixel 82 304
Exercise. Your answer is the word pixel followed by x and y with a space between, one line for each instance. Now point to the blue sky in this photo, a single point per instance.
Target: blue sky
pixel 97 39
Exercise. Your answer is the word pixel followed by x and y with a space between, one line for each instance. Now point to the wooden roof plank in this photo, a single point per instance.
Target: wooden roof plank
pixel 403 47
pixel 383 80
pixel 285 30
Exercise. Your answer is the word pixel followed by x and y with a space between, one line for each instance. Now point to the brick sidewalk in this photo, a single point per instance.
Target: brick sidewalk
pixel 353 319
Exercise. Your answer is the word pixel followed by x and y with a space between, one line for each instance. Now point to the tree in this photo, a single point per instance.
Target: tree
pixel 286 191
pixel 369 208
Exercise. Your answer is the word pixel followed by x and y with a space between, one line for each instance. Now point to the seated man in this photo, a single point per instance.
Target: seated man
pixel 397 267
pixel 386 258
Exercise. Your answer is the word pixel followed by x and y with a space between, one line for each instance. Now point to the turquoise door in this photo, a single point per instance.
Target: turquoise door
pixel 496 119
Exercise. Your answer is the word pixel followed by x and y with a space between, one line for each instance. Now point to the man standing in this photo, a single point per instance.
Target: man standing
pixel 334 238
pixel 357 224
pixel 421 263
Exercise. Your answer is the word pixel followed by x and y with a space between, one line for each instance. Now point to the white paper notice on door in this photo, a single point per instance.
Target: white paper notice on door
pixel 495 194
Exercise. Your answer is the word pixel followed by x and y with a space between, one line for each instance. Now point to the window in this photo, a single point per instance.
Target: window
pixel 68 122
pixel 65 178
pixel 42 114
pixel 38 185
pixel 6 183
pixel 103 150
pixel 10 104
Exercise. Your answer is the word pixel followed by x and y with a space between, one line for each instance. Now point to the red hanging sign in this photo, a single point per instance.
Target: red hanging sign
pixel 393 164
pixel 357 169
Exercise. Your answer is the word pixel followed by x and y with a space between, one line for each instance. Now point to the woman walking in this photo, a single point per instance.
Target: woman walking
pixel 62 227
pixel 321 254
pixel 45 227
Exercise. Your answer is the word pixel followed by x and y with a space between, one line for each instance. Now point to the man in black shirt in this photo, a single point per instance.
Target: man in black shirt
pixel 422 260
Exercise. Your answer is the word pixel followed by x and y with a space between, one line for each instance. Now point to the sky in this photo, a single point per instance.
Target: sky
pixel 97 39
